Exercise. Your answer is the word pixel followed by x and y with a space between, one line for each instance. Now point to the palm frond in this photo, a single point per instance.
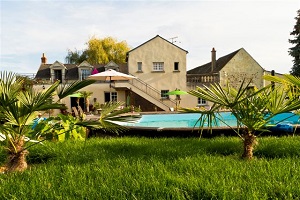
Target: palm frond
pixel 110 113
pixel 35 100
pixel 207 118
pixel 67 89
pixel 109 126
pixel 275 79
pixel 92 124
pixel 10 86
pixel 109 109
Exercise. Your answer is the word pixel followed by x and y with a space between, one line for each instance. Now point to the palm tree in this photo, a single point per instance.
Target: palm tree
pixel 18 109
pixel 252 108
pixel 86 95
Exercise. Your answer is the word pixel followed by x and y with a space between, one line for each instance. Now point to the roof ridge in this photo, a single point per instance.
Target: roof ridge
pixel 153 39
pixel 219 65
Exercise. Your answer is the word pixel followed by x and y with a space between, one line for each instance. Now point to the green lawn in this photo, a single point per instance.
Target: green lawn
pixel 164 168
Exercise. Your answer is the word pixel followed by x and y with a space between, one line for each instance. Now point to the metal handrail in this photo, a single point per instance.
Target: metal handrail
pixel 148 89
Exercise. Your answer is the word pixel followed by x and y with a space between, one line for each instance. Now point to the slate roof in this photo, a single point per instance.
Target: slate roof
pixel 72 70
pixel 220 63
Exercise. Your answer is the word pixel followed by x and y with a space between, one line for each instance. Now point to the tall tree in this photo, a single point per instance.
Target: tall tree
pixel 100 51
pixel 76 57
pixel 295 50
pixel 27 83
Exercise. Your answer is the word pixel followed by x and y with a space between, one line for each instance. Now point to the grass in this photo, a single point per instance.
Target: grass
pixel 165 168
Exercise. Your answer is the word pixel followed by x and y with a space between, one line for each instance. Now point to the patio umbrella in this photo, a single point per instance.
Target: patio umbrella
pixel 110 75
pixel 177 92
pixel 76 95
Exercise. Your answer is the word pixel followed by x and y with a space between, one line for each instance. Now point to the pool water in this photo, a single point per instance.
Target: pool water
pixel 189 120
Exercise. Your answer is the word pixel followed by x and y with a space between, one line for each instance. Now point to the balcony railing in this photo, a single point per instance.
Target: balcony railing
pixel 202 79
pixel 29 75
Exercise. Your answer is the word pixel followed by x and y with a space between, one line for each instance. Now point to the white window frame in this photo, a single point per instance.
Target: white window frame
pixel 114 96
pixel 201 102
pixel 158 66
pixel 139 66
pixel 163 94
pixel 83 73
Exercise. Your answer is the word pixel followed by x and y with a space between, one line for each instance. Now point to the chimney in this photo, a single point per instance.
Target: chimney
pixel 44 59
pixel 213 59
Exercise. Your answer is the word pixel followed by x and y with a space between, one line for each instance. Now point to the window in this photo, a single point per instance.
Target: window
pixel 58 75
pixel 201 101
pixel 163 94
pixel 139 65
pixel 106 96
pixel 158 66
pixel 85 73
pixel 110 96
pixel 176 66
pixel 114 96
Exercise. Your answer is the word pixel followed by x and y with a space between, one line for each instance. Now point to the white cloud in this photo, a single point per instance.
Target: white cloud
pixel 30 28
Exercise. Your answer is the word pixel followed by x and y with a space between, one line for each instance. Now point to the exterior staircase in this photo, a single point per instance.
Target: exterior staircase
pixel 147 92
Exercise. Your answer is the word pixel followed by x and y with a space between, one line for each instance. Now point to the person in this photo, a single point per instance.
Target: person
pixel 39 116
pixel 37 120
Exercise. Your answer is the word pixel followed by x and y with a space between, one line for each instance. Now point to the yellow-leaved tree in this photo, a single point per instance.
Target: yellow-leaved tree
pixel 100 51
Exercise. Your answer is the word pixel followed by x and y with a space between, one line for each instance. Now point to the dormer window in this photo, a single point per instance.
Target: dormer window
pixel 112 65
pixel 58 75
pixel 85 73
pixel 57 71
pixel 84 70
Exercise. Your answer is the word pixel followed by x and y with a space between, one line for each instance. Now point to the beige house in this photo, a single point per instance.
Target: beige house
pixel 68 73
pixel 160 67
pixel 232 68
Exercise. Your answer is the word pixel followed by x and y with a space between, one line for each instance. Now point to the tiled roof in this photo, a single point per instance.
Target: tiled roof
pixel 220 63
pixel 43 72
pixel 72 70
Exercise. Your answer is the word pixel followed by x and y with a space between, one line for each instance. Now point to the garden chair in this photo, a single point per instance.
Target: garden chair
pixel 75 111
pixel 80 110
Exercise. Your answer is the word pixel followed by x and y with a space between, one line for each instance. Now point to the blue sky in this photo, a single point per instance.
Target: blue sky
pixel 262 28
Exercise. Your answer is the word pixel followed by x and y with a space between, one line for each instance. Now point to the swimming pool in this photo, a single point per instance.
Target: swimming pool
pixel 189 120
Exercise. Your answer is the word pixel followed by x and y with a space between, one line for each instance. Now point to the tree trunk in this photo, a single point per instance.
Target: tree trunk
pixel 17 156
pixel 249 143
pixel 87 102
